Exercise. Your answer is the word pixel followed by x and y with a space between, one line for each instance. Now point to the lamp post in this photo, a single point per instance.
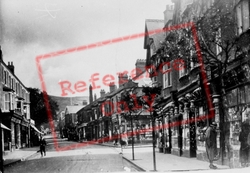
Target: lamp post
pixel 1 144
pixel 153 135
pixel 132 134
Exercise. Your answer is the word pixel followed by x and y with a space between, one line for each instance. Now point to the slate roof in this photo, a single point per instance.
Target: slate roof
pixel 73 109
pixel 151 25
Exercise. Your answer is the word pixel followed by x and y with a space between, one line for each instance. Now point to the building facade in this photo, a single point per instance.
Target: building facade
pixel 15 106
pixel 189 101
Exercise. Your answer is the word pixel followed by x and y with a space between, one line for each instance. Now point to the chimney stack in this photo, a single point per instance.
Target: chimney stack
pixel 112 87
pixel 11 67
pixel 102 92
pixel 122 79
pixel 90 94
pixel 140 66
pixel 168 13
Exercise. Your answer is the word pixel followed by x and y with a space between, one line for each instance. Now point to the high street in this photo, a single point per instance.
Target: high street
pixel 92 158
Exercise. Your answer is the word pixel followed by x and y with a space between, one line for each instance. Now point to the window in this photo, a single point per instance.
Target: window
pixel 5 77
pixel 9 82
pixel 13 102
pixel 242 16
pixel 7 102
pixel 218 42
pixel 182 69
pixel 2 73
pixel 12 84
pixel 16 88
pixel 167 80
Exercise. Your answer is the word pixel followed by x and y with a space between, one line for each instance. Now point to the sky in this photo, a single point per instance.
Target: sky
pixel 31 28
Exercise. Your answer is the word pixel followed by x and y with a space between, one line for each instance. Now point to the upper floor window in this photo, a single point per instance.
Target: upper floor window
pixel 12 83
pixel 9 82
pixel 2 74
pixel 5 77
pixel 182 69
pixel 242 16
pixel 7 101
pixel 167 77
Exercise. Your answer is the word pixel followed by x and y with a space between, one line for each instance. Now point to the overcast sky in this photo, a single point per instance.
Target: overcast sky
pixel 32 28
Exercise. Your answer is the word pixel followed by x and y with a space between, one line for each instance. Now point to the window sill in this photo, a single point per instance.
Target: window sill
pixel 167 87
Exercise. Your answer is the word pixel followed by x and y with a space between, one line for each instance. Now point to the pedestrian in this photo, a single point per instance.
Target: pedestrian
pixel 42 146
pixel 211 147
pixel 115 138
pixel 124 141
pixel 244 147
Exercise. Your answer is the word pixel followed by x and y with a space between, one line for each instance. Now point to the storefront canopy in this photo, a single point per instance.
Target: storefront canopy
pixel 35 129
pixel 4 127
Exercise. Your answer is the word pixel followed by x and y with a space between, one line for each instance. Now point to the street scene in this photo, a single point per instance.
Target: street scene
pixel 125 86
pixel 92 158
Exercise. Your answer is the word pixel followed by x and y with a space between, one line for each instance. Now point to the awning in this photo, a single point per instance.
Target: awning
pixel 35 129
pixel 168 105
pixel 4 127
pixel 82 125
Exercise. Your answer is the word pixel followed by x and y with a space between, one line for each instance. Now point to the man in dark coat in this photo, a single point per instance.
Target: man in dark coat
pixel 211 147
pixel 42 146
pixel 244 147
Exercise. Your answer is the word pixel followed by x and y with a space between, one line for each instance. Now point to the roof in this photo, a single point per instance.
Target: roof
pixel 73 109
pixel 142 79
pixel 151 25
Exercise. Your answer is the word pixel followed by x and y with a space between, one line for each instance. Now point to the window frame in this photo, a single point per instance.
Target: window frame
pixel 167 75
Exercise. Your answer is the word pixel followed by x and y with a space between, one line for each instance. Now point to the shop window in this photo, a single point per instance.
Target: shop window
pixel 235 117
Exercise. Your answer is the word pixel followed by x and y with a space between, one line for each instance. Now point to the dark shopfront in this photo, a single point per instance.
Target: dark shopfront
pixel 180 122
pixel 18 137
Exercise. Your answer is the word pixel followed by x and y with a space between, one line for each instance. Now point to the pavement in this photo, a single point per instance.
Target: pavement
pixel 143 160
pixel 19 155
pixel 23 154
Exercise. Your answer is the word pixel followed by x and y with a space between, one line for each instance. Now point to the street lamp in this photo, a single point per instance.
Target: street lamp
pixel 1 144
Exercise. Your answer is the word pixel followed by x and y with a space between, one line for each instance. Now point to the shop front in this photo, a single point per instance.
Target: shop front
pixel 237 114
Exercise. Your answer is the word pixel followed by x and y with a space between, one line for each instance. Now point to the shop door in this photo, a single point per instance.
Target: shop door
pixel 192 130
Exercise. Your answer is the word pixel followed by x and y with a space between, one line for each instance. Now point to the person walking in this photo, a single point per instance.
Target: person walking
pixel 115 137
pixel 124 141
pixel 211 147
pixel 244 147
pixel 42 146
